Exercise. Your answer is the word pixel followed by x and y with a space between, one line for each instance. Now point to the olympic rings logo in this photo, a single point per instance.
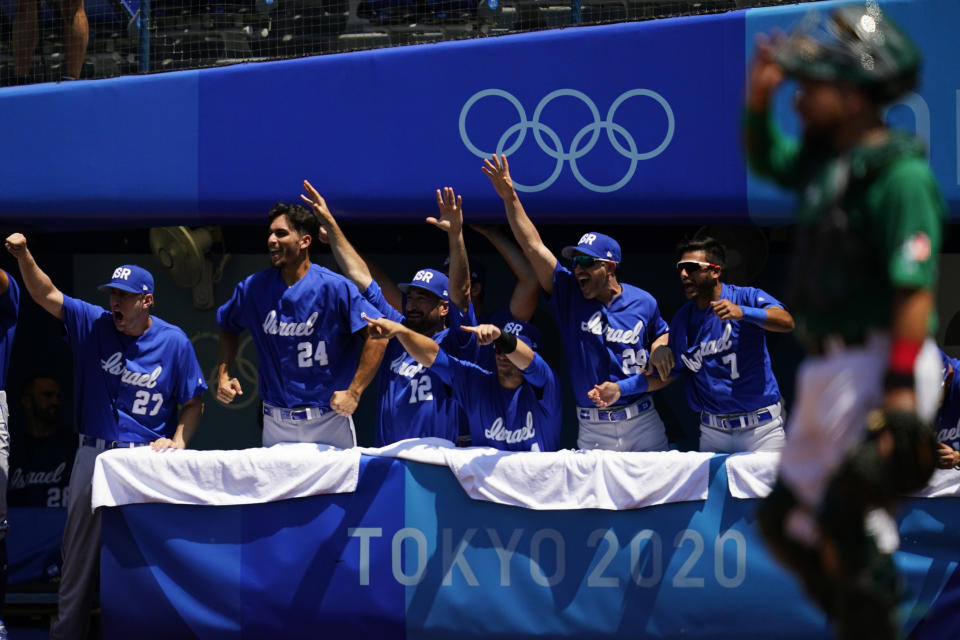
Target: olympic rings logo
pixel 246 370
pixel 583 142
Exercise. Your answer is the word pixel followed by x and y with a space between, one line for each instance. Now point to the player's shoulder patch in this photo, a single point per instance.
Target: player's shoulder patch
pixel 917 247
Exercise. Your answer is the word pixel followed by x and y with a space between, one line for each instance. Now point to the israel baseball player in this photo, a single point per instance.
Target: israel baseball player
pixel 948 418
pixel 414 401
pixel 608 328
pixel 9 308
pixel 308 328
pixel 718 344
pixel 516 408
pixel 132 370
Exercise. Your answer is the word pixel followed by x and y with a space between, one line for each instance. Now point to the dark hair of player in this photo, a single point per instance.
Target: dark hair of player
pixel 714 250
pixel 302 219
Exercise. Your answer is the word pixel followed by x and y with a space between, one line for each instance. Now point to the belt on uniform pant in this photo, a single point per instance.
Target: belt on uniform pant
pixel 102 445
pixel 297 413
pixel 745 420
pixel 615 414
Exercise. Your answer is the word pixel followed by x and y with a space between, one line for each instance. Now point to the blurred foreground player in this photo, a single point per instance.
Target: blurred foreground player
pixel 869 228
pixel 133 370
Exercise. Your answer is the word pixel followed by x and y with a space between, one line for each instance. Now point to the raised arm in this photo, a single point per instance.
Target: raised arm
pixel 35 280
pixel 517 351
pixel 541 258
pixel 451 221
pixel 420 347
pixel 351 263
pixel 769 152
pixel 523 302
pixel 345 402
pixel 190 415
pixel 353 266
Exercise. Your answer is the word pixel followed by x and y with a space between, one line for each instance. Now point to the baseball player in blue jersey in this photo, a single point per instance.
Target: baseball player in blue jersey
pixel 9 308
pixel 609 328
pixel 718 344
pixel 523 300
pixel 132 371
pixel 307 325
pixel 948 418
pixel 414 402
pixel 516 408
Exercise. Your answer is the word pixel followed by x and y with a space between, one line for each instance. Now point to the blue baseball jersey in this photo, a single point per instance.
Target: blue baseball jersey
pixel 414 400
pixel 726 364
pixel 948 419
pixel 128 387
pixel 604 342
pixel 523 419
pixel 305 334
pixel 9 307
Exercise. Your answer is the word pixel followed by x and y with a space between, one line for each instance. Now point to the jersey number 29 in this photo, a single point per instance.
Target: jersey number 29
pixel 634 361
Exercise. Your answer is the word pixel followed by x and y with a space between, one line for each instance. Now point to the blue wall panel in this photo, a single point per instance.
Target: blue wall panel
pixel 378 131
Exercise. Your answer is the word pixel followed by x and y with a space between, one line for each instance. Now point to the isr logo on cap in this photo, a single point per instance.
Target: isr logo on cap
pixel 121 273
pixel 423 276
pixel 587 238
pixel 513 327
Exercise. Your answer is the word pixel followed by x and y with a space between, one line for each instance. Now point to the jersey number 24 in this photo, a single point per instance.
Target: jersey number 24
pixel 306 356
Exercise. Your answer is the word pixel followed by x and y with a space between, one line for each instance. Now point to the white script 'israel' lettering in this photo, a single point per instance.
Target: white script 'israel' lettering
pixel 21 479
pixel 949 435
pixel 498 433
pixel 273 327
pixel 115 365
pixel 709 348
pixel 407 370
pixel 624 336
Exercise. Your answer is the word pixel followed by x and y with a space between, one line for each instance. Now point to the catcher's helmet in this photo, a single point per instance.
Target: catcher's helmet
pixel 853 44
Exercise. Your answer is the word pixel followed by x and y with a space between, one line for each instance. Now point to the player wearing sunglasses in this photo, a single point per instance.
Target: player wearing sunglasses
pixel 718 345
pixel 608 327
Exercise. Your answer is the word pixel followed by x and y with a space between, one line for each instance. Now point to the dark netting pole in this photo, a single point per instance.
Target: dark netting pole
pixel 144 36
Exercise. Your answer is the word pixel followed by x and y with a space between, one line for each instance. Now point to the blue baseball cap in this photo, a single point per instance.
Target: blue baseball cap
pixel 596 245
pixel 130 277
pixel 431 280
pixel 524 331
